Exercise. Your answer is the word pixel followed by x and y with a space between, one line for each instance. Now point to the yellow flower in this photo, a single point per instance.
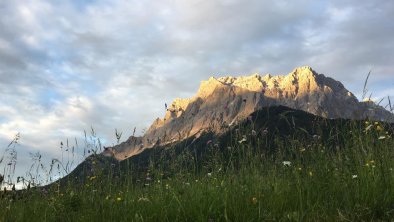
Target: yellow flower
pixel 370 163
pixel 310 173
pixel 379 128
pixel 118 198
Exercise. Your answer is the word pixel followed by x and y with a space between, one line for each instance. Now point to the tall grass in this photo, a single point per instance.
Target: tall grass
pixel 254 176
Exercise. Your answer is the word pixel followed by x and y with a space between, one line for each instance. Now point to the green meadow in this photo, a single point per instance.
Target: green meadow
pixel 251 174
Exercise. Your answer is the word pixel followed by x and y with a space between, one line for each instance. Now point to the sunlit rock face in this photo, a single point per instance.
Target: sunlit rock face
pixel 222 102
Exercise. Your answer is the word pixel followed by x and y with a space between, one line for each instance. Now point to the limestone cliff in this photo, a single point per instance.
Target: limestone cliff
pixel 222 102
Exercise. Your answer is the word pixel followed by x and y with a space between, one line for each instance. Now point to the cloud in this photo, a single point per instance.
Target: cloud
pixel 68 65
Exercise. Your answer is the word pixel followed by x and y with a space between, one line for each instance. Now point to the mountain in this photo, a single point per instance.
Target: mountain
pixel 221 103
pixel 266 130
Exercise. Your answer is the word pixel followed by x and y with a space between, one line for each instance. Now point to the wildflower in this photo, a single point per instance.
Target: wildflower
pixel 368 128
pixel 254 133
pixel 379 128
pixel 92 178
pixel 209 174
pixel 302 150
pixel 382 137
pixel 254 200
pixel 316 137
pixel 354 176
pixel 107 197
pixel 187 184
pixel 310 173
pixel 366 122
pixel 286 163
pixel 376 123
pixel 370 163
pixel 243 140
pixel 118 198
pixel 299 168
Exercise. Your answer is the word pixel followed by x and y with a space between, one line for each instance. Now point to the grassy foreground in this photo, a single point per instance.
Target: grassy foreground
pixel 303 180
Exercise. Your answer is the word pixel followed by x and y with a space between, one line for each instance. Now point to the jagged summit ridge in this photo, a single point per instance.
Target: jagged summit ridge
pixel 222 102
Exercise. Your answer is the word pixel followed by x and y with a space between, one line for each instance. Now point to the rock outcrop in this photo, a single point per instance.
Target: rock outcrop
pixel 222 102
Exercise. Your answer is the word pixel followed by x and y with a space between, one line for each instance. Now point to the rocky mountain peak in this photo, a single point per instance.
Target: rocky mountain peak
pixel 221 102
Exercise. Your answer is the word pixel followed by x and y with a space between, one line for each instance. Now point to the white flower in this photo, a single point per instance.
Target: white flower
pixel 254 133
pixel 368 128
pixel 354 176
pixel 243 140
pixel 286 163
pixel 382 137
pixel 316 137
pixel 209 174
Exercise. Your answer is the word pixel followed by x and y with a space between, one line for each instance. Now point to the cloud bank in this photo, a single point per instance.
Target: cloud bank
pixel 66 65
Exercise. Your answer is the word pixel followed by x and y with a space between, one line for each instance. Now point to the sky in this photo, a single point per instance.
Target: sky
pixel 69 66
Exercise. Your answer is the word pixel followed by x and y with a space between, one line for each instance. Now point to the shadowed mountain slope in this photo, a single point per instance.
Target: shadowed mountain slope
pixel 221 103
pixel 264 130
